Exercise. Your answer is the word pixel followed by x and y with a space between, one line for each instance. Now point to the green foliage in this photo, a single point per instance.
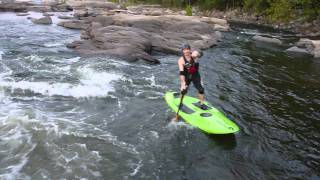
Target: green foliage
pixel 256 6
pixel 218 4
pixel 276 10
pixel 280 10
pixel 188 10
pixel 310 8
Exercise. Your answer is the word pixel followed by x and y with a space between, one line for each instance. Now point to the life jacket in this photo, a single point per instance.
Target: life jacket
pixel 190 67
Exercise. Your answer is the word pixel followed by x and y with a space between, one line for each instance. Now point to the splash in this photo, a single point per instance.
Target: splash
pixel 92 84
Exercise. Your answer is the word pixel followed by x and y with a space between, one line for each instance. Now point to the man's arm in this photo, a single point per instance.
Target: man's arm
pixel 196 55
pixel 181 75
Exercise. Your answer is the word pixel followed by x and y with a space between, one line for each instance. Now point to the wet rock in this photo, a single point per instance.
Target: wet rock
pixel 267 39
pixel 297 51
pixel 43 20
pixel 307 46
pixel 22 14
pixel 74 24
pixel 65 17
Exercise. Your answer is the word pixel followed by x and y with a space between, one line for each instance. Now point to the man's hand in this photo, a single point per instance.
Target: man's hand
pixel 196 54
pixel 183 86
pixel 184 91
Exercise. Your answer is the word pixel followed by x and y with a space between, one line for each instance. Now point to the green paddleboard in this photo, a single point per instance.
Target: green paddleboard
pixel 210 120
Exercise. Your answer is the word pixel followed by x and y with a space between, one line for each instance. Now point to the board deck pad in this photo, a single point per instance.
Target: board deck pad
pixel 210 120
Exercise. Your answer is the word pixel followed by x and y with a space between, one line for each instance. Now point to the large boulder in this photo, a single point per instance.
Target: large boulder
pixel 267 39
pixel 316 50
pixel 134 37
pixel 43 20
pixel 298 51
pixel 310 46
pixel 65 17
pixel 74 24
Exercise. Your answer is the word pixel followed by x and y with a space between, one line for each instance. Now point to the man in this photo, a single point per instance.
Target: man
pixel 189 72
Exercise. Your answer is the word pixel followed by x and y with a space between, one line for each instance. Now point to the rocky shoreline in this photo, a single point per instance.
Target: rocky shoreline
pixel 135 32
pixel 300 27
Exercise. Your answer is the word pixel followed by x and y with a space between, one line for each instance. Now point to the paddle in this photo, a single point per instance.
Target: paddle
pixel 181 99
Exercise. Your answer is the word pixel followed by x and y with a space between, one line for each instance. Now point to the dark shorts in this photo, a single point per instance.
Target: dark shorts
pixel 196 80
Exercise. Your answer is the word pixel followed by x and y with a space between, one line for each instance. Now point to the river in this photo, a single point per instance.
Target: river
pixel 65 116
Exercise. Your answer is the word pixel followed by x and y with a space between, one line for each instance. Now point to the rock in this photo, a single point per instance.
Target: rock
pixel 218 35
pixel 47 14
pixel 65 17
pixel 39 8
pixel 267 39
pixel 149 10
pixel 74 24
pixel 81 13
pixel 119 10
pixel 61 8
pixel 14 6
pixel 22 14
pixel 84 35
pixel 316 50
pixel 134 37
pixel 221 28
pixel 153 13
pixel 101 20
pixel 43 20
pixel 221 22
pixel 297 50
pixel 311 46
pixel 305 43
pixel 91 4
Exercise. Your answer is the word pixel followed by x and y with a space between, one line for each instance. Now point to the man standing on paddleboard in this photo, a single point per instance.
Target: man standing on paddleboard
pixel 189 72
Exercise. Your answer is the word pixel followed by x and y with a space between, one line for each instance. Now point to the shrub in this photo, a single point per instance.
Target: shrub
pixel 188 10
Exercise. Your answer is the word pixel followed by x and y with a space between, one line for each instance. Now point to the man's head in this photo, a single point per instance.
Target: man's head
pixel 186 49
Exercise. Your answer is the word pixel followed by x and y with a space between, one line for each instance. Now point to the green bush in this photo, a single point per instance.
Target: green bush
pixel 280 10
pixel 188 10
pixel 275 10
pixel 256 6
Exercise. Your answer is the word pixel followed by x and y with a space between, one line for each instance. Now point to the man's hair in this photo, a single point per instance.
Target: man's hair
pixel 185 46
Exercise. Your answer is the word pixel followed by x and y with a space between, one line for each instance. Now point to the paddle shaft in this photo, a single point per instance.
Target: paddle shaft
pixel 180 105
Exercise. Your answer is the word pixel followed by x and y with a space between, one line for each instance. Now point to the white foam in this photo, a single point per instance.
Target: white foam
pixel 92 84
pixel 154 134
pixel 1 53
pixel 173 125
pixel 136 169
pixel 16 138
pixel 72 60
pixel 54 44
pixel 6 71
